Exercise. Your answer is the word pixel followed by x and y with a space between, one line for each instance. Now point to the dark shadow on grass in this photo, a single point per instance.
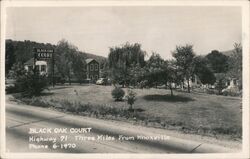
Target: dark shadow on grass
pixel 46 93
pixel 167 98
pixel 63 87
pixel 136 110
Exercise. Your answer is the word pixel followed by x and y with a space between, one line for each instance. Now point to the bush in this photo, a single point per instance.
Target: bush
pixel 11 89
pixel 118 93
pixel 131 98
pixel 31 84
pixel 212 91
pixel 231 92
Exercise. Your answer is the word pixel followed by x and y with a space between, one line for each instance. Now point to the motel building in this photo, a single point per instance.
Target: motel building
pixel 41 66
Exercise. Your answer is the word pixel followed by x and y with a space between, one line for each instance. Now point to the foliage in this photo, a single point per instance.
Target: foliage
pixel 21 51
pixel 104 69
pixel 235 67
pixel 78 67
pixel 120 61
pixel 171 75
pixel 184 56
pixel 232 92
pixel 136 74
pixel 16 71
pixel 220 82
pixel 205 75
pixel 31 83
pixel 217 61
pixel 118 93
pixel 154 70
pixel 131 98
pixel 69 61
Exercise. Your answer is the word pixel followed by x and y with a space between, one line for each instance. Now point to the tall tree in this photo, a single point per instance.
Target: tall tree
pixel 184 56
pixel 154 69
pixel 217 61
pixel 171 75
pixel 120 60
pixel 201 69
pixel 78 67
pixel 68 60
pixel 235 67
pixel 10 58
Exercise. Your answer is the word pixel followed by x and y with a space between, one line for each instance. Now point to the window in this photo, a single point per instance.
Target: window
pixel 43 68
pixel 91 67
pixel 234 82
pixel 96 67
pixel 37 68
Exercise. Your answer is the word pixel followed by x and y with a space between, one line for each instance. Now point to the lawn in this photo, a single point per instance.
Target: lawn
pixel 189 112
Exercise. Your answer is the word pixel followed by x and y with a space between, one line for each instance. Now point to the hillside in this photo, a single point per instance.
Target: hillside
pixel 22 51
pixel 228 52
pixel 93 56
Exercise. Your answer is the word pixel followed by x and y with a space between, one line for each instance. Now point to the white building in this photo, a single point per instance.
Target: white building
pixel 41 66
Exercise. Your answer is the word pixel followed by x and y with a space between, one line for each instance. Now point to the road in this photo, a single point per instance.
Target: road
pixel 94 136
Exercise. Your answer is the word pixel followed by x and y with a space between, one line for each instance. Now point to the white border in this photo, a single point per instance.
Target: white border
pixel 245 42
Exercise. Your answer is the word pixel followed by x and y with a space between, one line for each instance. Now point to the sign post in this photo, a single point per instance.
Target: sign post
pixel 45 54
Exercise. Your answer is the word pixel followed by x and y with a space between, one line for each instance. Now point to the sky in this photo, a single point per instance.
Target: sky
pixel 156 28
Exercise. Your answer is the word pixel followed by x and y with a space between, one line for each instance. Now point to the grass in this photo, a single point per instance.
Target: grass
pixel 204 114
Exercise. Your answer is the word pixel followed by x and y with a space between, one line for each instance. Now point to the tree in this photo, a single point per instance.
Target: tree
pixel 220 82
pixel 201 69
pixel 10 58
pixel 29 83
pixel 69 61
pixel 104 69
pixel 171 75
pixel 120 61
pixel 118 93
pixel 154 70
pixel 235 67
pixel 136 74
pixel 78 67
pixel 217 61
pixel 131 98
pixel 184 56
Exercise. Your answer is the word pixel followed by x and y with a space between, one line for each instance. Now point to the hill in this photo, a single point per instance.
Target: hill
pixel 22 51
pixel 228 52
pixel 93 56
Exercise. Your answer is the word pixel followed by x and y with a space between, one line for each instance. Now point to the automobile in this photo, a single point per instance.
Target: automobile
pixel 101 81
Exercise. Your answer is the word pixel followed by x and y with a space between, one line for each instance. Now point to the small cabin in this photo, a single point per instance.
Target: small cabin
pixel 40 65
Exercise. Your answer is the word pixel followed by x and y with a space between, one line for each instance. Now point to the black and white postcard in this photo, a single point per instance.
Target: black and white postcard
pixel 124 79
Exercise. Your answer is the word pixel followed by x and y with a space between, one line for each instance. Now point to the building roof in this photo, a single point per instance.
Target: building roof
pixel 89 60
pixel 29 62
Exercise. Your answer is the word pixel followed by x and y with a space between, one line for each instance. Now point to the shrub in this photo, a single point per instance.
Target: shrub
pixel 131 98
pixel 11 89
pixel 118 93
pixel 31 84
pixel 231 92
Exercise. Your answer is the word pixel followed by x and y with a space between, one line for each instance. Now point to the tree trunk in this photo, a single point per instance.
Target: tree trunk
pixel 182 87
pixel 130 107
pixel 171 89
pixel 188 86
pixel 69 80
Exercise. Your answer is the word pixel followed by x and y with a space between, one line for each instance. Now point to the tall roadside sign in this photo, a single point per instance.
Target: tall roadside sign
pixel 45 54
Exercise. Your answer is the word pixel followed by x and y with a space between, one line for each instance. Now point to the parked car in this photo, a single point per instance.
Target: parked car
pixel 101 81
